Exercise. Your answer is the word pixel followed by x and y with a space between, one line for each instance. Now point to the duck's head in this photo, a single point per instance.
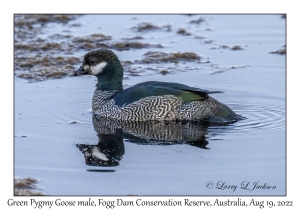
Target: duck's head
pixel 105 65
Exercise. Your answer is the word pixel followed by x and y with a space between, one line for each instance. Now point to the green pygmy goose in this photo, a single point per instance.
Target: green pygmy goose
pixel 150 100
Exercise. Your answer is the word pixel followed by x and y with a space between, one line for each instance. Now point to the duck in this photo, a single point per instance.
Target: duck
pixel 151 100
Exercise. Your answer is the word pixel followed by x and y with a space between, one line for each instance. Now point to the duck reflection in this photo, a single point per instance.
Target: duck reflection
pixel 108 152
pixel 112 134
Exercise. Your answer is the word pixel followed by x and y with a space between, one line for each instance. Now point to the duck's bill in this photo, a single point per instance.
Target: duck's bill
pixel 80 71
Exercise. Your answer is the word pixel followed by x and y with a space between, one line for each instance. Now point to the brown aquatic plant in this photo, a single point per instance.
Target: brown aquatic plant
pixel 25 187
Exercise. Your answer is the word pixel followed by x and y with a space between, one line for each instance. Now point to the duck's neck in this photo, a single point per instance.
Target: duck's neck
pixel 111 79
pixel 108 85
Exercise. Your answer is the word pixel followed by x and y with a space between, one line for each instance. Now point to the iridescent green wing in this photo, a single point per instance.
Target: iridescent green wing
pixel 153 88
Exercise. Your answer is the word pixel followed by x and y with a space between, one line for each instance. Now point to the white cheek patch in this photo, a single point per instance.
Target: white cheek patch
pixel 86 67
pixel 98 68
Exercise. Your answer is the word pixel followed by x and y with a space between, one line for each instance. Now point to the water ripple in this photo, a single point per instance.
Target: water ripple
pixel 260 118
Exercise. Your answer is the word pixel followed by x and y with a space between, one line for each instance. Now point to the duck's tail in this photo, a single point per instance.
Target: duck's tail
pixel 223 114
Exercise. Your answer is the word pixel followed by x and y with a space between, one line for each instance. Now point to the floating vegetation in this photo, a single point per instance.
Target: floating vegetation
pixel 172 63
pixel 133 38
pixel 190 15
pixel 135 71
pixel 133 68
pixel 36 46
pixel 183 32
pixel 151 68
pixel 221 69
pixel 25 187
pixel 58 36
pixel 279 52
pixel 52 18
pixel 155 57
pixel 91 46
pixel 42 68
pixel 148 70
pixel 43 74
pixel 92 38
pixel 29 26
pixel 29 20
pixel 197 21
pixel 167 27
pixel 91 42
pixel 164 72
pixel 208 41
pixel 234 47
pixel 40 57
pixel 29 62
pixel 135 45
pixel 143 27
pixel 73 122
pixel 95 41
pixel 199 37
pixel 36 58
pixel 76 25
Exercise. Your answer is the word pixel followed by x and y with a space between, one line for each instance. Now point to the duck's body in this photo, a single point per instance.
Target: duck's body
pixel 149 100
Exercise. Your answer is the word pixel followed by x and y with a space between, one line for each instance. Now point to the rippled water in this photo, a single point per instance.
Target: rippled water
pixel 263 118
pixel 55 134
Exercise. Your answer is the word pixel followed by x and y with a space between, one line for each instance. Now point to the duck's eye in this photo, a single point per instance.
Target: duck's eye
pixel 92 61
